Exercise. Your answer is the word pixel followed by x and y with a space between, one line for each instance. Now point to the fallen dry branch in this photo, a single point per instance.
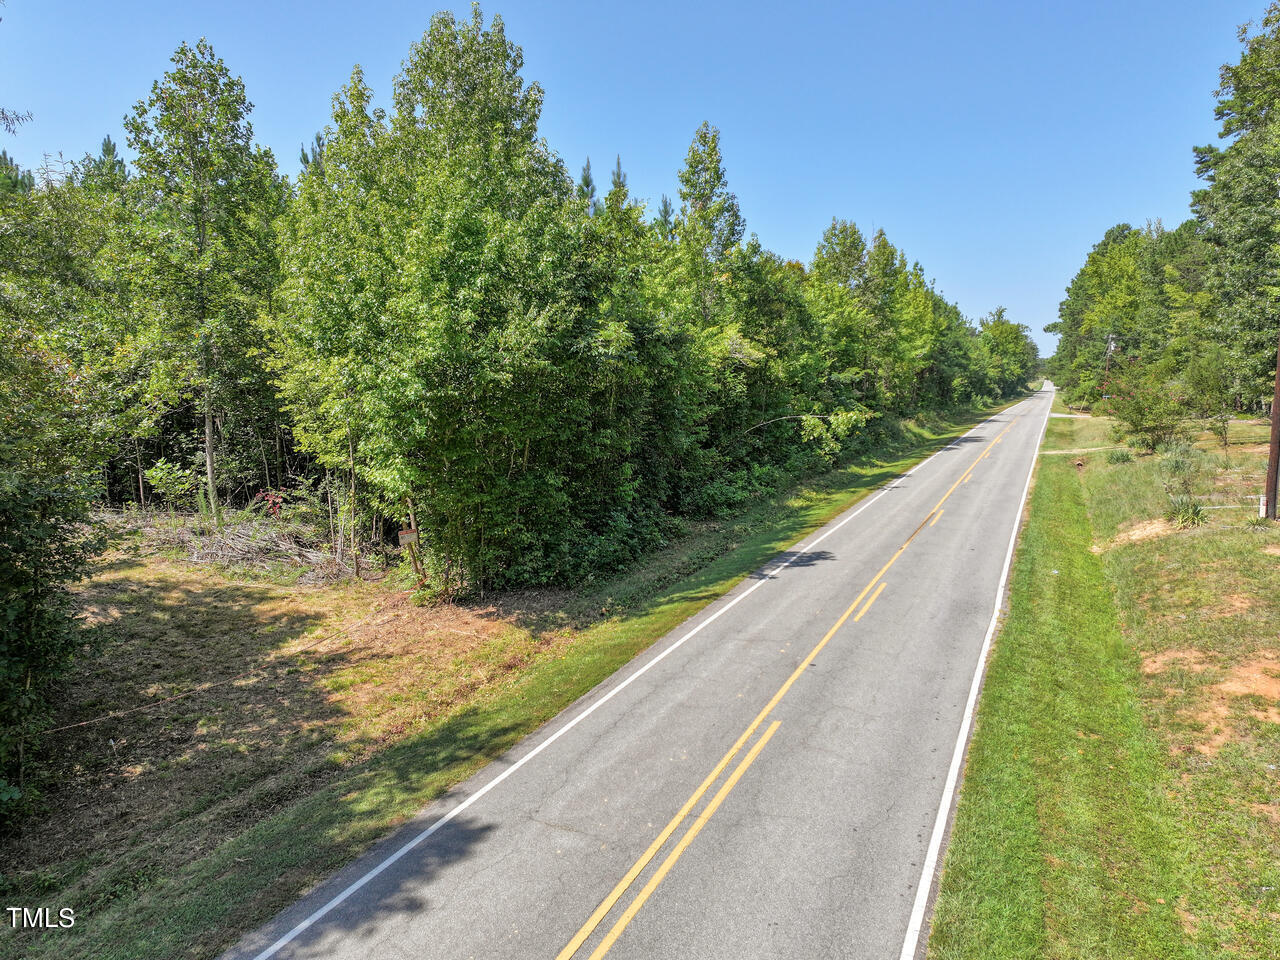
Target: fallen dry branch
pixel 253 542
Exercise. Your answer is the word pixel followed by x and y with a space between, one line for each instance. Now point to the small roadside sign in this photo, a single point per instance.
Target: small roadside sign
pixel 407 537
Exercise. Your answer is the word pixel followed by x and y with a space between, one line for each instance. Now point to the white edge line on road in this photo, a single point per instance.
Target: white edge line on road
pixel 914 926
pixel 310 921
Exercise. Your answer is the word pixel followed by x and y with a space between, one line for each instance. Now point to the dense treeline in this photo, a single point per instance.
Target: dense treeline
pixel 436 323
pixel 1164 326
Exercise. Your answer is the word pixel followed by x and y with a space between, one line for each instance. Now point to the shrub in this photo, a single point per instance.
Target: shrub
pixel 44 544
pixel 1149 414
pixel 1119 456
pixel 43 548
pixel 175 484
pixel 1181 468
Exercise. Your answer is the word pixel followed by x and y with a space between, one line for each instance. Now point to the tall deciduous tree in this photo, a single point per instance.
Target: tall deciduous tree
pixel 711 221
pixel 1240 207
pixel 443 314
pixel 209 198
pixel 1010 352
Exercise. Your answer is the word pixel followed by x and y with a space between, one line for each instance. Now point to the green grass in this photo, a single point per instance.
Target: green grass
pixel 1071 434
pixel 226 862
pixel 1064 845
pixel 1121 798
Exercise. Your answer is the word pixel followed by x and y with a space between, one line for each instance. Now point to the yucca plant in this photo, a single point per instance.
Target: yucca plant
pixel 1185 512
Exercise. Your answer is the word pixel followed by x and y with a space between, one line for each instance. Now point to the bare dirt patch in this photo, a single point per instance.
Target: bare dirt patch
pixel 1188 921
pixel 1192 660
pixel 1267 811
pixel 1146 530
pixel 1231 605
pixel 1258 678
pixel 1272 549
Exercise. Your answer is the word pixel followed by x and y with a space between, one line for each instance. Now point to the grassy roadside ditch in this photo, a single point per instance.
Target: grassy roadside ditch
pixel 173 830
pixel 1121 797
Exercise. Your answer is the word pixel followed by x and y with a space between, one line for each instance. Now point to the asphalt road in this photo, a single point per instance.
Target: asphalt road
pixel 772 779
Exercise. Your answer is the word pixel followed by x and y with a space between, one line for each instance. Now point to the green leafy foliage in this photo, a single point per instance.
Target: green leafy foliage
pixel 539 376
pixel 202 247
pixel 44 544
pixel 1150 414
pixel 175 484
pixel 1139 300
pixel 13 179
pixel 1240 209
pixel 437 321
pixel 1193 307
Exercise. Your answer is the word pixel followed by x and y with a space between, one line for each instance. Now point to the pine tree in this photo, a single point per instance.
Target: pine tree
pixel 13 179
pixel 618 197
pixel 666 221
pixel 106 171
pixel 312 158
pixel 587 188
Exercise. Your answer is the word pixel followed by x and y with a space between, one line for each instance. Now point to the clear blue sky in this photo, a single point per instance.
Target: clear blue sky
pixel 994 142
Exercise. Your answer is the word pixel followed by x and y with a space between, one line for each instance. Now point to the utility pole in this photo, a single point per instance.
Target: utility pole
pixel 1106 369
pixel 1273 454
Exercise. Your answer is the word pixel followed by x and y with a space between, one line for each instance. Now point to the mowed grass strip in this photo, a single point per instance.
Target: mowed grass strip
pixel 1068 433
pixel 1065 844
pixel 1198 611
pixel 328 752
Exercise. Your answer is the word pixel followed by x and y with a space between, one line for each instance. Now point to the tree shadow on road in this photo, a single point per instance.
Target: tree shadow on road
pixel 791 559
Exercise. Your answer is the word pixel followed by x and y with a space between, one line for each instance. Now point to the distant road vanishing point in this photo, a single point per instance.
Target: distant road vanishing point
pixel 771 779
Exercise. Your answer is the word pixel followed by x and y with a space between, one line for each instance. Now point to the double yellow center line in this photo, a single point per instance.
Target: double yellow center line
pixel 609 902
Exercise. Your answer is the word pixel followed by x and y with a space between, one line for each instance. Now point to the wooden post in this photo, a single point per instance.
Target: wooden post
pixel 1273 455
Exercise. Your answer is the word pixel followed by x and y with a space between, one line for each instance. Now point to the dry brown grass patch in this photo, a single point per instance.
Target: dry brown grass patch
pixel 283 686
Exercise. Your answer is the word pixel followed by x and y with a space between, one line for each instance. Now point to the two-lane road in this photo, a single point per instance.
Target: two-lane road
pixel 772 779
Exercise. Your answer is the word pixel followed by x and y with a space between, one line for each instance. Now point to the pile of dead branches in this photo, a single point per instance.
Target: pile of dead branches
pixel 253 543
pixel 246 540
